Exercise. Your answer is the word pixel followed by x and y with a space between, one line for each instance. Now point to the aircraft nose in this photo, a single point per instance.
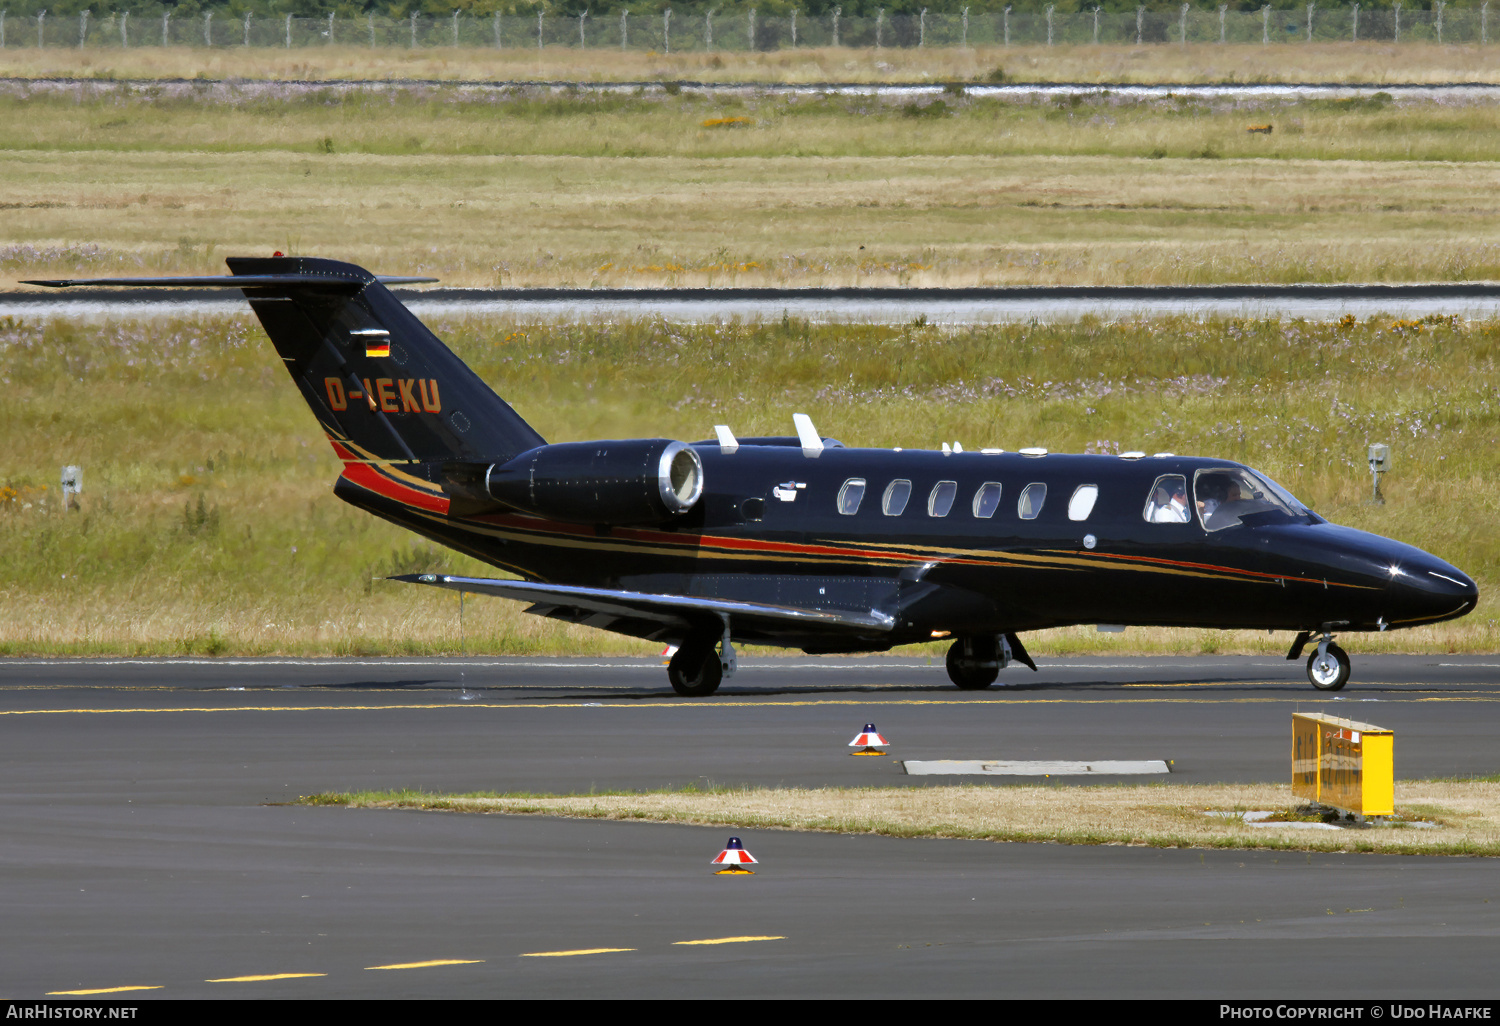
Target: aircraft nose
pixel 1430 588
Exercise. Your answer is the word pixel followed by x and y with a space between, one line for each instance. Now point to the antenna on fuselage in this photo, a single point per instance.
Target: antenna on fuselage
pixel 812 443
pixel 728 444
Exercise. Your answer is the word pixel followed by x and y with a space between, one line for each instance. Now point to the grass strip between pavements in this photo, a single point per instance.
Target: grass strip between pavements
pixel 1464 813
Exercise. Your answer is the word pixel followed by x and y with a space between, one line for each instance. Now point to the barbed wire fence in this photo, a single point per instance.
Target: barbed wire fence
pixel 744 31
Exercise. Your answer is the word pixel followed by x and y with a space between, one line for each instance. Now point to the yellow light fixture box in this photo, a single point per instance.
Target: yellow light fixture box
pixel 1343 764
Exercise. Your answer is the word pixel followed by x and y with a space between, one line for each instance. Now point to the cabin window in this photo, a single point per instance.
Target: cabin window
pixel 941 499
pixel 896 495
pixel 850 496
pixel 987 500
pixel 1082 502
pixel 753 509
pixel 1030 505
pixel 1167 502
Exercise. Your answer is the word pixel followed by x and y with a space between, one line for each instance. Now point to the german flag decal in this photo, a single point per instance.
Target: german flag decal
pixel 377 340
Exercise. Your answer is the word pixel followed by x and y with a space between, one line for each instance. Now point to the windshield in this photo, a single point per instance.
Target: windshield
pixel 1229 496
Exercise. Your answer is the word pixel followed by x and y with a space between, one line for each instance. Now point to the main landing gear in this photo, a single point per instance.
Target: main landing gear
pixel 975 660
pixel 1328 666
pixel 696 668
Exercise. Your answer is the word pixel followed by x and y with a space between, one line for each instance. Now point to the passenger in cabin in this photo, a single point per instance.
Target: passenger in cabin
pixel 1168 503
pixel 1175 510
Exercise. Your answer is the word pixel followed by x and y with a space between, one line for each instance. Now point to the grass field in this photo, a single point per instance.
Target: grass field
pixel 584 190
pixel 1317 62
pixel 1465 814
pixel 207 523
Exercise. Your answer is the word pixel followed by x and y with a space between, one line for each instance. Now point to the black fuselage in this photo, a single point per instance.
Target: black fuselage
pixel 769 529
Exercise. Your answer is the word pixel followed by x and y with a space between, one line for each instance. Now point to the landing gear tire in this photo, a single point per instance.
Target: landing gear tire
pixel 974 663
pixel 695 670
pixel 1330 671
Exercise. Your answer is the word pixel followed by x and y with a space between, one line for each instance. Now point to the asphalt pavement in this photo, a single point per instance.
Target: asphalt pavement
pixel 146 844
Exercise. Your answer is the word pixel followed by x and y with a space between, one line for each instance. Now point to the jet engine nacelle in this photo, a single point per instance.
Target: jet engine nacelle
pixel 629 481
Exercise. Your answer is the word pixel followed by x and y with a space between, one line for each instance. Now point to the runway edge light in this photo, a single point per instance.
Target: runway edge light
pixel 869 741
pixel 733 858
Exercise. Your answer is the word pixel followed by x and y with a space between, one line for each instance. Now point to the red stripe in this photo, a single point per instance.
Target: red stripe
pixel 366 476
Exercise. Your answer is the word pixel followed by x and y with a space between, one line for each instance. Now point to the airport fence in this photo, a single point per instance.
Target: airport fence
pixel 698 31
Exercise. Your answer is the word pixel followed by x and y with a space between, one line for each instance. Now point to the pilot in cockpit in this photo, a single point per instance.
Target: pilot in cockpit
pixel 1216 489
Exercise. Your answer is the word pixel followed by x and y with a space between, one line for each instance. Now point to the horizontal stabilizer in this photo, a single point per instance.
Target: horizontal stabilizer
pixel 235 281
pixel 683 611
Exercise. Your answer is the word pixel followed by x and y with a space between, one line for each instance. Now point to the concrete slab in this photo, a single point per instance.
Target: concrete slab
pixel 1035 768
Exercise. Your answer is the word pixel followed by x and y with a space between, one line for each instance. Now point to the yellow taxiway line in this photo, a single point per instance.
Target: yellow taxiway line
pixel 428 965
pixel 728 940
pixel 759 703
pixel 565 954
pixel 100 990
pixel 259 979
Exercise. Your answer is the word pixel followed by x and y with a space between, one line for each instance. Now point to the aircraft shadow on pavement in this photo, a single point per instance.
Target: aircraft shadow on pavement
pixel 1222 685
pixel 434 683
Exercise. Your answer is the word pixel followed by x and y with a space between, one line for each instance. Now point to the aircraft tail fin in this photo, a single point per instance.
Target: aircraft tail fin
pixel 382 385
pixel 384 388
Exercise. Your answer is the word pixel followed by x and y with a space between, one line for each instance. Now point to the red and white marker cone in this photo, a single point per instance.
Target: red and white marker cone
pixel 733 858
pixel 868 741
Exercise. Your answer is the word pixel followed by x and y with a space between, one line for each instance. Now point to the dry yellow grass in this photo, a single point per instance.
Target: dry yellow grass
pixel 1317 62
pixel 613 221
pixel 1171 815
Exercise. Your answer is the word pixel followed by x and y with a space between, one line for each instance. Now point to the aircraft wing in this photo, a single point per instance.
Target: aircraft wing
pixel 652 615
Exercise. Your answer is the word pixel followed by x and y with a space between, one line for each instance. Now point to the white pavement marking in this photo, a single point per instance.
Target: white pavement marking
pixel 1044 768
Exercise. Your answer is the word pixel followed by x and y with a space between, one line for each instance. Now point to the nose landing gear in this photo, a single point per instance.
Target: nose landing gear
pixel 1328 667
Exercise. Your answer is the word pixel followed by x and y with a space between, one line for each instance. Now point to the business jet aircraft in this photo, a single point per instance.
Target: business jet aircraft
pixel 798 541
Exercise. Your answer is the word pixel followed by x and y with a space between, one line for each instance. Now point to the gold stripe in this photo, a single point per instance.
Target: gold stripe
pixel 426 965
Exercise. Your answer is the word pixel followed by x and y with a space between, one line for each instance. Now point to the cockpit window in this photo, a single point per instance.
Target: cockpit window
pixel 1167 502
pixel 941 499
pixel 1030 505
pixel 987 500
pixel 850 496
pixel 1229 496
pixel 896 494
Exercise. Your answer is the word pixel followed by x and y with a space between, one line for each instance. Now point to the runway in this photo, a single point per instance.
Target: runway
pixel 956 306
pixel 144 846
pixel 240 89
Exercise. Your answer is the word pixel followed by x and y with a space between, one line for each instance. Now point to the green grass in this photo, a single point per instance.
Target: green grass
pixel 449 122
pixel 208 527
